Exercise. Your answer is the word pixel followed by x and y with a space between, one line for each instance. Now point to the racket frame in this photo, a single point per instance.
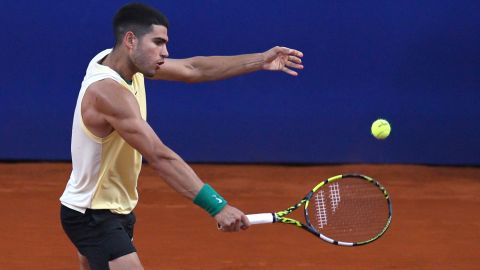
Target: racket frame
pixel 280 216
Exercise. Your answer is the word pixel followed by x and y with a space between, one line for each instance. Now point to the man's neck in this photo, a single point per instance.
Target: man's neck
pixel 119 62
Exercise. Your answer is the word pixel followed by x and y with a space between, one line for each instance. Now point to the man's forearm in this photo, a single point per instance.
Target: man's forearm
pixel 177 174
pixel 222 67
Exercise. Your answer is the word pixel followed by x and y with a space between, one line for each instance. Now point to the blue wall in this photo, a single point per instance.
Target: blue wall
pixel 415 63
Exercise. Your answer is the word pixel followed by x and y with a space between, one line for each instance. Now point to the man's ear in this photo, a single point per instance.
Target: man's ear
pixel 130 39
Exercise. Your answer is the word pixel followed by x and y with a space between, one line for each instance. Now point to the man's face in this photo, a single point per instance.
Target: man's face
pixel 150 50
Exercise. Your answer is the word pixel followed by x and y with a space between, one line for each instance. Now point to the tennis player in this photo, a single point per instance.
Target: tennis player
pixel 110 136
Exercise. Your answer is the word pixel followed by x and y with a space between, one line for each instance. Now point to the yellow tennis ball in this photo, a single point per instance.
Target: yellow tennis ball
pixel 381 129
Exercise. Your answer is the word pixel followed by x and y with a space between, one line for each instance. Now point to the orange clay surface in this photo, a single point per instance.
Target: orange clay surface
pixel 436 220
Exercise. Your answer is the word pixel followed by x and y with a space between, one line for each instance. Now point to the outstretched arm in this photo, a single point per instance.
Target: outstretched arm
pixel 211 68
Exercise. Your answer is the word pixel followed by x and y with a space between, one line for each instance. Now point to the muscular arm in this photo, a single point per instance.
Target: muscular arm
pixel 107 106
pixel 201 68
pixel 120 110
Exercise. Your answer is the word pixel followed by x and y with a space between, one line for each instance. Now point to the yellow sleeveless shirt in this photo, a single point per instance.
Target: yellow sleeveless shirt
pixel 105 170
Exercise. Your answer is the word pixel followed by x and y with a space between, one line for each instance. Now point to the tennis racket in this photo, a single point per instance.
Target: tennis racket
pixel 345 210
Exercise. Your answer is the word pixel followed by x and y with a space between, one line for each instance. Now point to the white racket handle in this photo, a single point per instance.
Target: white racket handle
pixel 262 218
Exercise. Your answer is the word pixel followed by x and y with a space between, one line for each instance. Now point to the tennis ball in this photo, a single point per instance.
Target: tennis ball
pixel 381 129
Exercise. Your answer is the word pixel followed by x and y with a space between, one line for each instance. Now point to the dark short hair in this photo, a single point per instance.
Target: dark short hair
pixel 138 18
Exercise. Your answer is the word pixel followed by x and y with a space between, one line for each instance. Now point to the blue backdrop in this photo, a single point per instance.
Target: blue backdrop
pixel 415 63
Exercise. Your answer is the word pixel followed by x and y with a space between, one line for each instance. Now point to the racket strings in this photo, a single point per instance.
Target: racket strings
pixel 321 209
pixel 334 195
pixel 349 210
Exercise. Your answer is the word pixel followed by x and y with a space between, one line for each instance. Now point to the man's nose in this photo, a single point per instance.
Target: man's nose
pixel 164 52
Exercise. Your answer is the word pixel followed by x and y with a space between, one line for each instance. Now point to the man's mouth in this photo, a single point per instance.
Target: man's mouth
pixel 159 64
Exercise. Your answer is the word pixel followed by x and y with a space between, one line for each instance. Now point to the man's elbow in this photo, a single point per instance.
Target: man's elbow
pixel 195 71
pixel 193 76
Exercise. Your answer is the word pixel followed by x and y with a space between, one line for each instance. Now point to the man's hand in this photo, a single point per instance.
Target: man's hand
pixel 230 219
pixel 282 58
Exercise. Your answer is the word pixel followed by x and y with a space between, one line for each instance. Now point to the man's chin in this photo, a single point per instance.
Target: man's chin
pixel 148 74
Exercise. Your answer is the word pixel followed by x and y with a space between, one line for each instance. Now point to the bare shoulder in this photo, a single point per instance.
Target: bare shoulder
pixel 106 90
pixel 109 97
pixel 105 103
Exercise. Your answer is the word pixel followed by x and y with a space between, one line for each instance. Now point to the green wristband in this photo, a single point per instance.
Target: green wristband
pixel 208 199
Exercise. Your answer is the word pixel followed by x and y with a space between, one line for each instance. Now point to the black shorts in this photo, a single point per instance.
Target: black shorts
pixel 99 235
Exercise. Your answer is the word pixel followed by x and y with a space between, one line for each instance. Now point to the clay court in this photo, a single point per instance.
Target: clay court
pixel 435 220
